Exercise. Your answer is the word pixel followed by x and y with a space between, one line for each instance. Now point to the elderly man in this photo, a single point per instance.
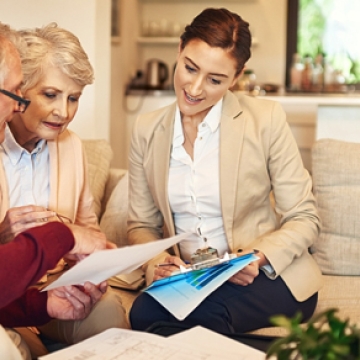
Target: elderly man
pixel 32 252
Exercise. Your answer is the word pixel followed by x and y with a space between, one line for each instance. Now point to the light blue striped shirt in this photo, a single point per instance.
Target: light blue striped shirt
pixel 28 174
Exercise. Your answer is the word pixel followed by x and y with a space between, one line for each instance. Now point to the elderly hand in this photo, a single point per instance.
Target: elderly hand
pixel 19 219
pixel 71 303
pixel 87 240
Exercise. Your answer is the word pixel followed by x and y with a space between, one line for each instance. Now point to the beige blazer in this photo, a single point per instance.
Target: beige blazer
pixel 70 193
pixel 258 156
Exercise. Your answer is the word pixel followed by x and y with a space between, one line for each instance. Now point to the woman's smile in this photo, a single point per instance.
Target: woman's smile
pixel 191 99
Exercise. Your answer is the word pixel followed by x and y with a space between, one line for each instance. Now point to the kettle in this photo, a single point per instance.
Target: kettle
pixel 157 73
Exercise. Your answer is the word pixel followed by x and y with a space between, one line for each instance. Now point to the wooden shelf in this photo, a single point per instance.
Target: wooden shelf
pixel 158 40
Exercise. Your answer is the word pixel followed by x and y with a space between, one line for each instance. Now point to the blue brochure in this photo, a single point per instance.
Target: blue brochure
pixel 180 294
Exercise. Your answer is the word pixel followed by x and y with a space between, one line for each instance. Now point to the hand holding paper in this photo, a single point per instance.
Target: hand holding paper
pixel 101 265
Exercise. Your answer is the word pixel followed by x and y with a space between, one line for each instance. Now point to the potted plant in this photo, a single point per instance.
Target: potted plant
pixel 324 337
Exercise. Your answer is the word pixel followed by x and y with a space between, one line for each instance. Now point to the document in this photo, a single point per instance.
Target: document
pixel 103 264
pixel 216 343
pixel 126 344
pixel 180 294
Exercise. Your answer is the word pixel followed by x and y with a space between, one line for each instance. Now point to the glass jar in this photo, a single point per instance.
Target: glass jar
pixel 247 81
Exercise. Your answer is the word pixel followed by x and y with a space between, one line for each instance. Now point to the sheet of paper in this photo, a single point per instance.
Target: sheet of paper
pixel 216 343
pixel 101 265
pixel 181 297
pixel 124 344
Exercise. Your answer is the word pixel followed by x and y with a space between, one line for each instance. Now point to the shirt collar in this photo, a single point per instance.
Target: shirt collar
pixel 14 151
pixel 212 119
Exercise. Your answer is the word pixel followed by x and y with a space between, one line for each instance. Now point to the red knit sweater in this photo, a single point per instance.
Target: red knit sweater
pixel 23 262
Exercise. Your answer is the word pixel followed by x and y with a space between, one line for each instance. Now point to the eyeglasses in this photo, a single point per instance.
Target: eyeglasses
pixel 22 103
pixel 64 219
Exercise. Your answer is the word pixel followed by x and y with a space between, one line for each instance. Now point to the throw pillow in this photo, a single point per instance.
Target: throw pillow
pixel 99 155
pixel 336 181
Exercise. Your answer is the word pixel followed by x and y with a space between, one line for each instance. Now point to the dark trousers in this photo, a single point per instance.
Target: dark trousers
pixel 230 308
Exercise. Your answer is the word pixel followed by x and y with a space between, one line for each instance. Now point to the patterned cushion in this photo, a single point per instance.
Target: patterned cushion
pixel 99 155
pixel 336 179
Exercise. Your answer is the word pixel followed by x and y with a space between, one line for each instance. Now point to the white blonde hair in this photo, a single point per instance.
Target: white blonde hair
pixel 10 42
pixel 56 46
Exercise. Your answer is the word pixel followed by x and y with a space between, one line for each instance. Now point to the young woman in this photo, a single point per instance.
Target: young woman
pixel 43 163
pixel 210 164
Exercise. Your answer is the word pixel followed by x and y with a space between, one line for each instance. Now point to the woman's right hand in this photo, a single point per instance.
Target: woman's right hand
pixel 19 219
pixel 163 270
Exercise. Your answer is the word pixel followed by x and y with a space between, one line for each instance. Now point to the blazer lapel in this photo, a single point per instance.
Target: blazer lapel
pixel 162 148
pixel 232 127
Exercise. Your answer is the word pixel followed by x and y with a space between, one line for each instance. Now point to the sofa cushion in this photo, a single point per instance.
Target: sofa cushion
pixel 99 155
pixel 114 220
pixel 336 181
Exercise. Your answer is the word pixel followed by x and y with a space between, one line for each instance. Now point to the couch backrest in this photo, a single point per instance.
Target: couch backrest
pixel 99 155
pixel 336 182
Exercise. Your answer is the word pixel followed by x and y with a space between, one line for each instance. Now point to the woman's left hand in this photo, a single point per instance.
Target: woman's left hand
pixel 247 275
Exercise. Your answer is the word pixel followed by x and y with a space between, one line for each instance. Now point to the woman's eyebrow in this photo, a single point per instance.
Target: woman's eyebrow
pixel 197 67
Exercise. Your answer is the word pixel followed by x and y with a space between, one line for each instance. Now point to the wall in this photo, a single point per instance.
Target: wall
pixel 267 20
pixel 89 20
pixel 102 112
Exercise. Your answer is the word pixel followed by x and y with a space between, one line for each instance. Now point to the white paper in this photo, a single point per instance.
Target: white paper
pixel 125 344
pixel 103 264
pixel 216 343
pixel 181 297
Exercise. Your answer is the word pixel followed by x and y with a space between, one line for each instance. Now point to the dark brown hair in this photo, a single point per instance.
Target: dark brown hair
pixel 221 28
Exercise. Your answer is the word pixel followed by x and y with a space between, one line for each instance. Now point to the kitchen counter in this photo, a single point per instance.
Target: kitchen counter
pixel 350 98
pixel 334 99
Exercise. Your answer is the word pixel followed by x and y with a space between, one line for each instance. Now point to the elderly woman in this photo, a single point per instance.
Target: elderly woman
pixel 44 166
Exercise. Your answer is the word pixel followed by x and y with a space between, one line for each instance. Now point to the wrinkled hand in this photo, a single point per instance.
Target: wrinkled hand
pixel 73 259
pixel 19 219
pixel 87 240
pixel 71 303
pixel 247 275
pixel 165 271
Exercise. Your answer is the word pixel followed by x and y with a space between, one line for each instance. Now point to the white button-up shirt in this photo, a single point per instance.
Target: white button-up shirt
pixel 27 173
pixel 194 186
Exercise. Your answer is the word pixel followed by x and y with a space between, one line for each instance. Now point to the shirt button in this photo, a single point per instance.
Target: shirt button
pixel 203 125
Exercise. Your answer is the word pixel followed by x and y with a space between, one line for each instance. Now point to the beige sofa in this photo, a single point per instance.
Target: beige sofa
pixel 336 177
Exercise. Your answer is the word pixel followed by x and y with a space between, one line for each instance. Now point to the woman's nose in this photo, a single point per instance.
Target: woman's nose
pixel 61 110
pixel 195 88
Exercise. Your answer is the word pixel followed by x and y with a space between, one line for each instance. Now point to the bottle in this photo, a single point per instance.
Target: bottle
pixel 307 74
pixel 328 75
pixel 247 81
pixel 318 73
pixel 296 70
